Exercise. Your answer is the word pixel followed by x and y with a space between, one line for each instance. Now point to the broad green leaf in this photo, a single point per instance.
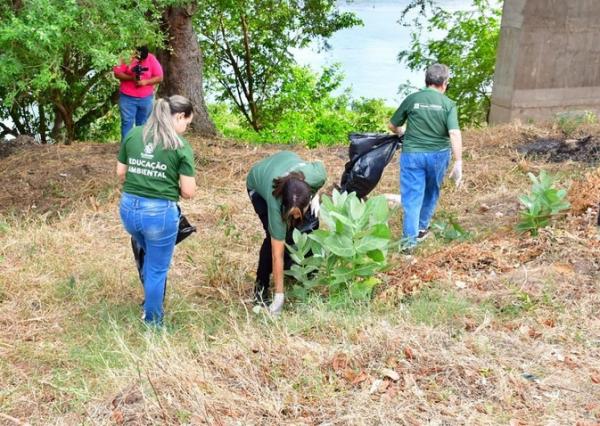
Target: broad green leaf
pixel 340 245
pixel 376 255
pixel 369 243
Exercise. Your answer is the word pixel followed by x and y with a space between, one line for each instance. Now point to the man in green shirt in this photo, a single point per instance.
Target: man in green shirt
pixel 431 130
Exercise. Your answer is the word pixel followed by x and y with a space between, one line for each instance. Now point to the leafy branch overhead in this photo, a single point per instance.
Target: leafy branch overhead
pixel 467 44
pixel 248 47
pixel 57 57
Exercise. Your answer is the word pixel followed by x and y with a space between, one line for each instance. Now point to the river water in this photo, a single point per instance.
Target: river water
pixel 369 54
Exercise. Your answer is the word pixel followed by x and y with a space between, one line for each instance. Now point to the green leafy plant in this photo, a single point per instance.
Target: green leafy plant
pixel 448 229
pixel 342 259
pixel 56 60
pixel 247 48
pixel 544 202
pixel 569 122
pixel 305 111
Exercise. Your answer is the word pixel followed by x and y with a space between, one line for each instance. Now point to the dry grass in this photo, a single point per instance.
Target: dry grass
pixel 497 329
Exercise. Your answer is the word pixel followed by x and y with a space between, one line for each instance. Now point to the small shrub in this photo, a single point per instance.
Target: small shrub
pixel 342 259
pixel 569 122
pixel 448 229
pixel 542 204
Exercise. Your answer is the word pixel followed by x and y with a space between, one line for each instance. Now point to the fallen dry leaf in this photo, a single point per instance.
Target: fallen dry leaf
pixel 340 361
pixel 383 386
pixel 389 373
pixel 408 353
pixel 563 268
pixel 391 391
pixel 360 378
pixel 118 417
pixel 595 376
pixel 570 362
pixel 533 333
pixel 549 322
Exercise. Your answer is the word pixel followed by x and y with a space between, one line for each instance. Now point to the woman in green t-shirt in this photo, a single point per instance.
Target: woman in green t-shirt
pixel 281 188
pixel 156 166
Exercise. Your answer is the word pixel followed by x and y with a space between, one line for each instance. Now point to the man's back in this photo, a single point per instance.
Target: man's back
pixel 429 115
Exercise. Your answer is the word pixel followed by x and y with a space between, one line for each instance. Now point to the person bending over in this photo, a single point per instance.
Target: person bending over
pixel 431 129
pixel 156 166
pixel 136 90
pixel 281 188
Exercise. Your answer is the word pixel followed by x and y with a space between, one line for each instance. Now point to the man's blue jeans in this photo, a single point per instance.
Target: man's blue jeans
pixel 153 223
pixel 133 111
pixel 421 177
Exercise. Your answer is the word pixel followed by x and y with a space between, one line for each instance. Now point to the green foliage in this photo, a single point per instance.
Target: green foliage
pixel 468 48
pixel 542 204
pixel 247 49
pixel 448 229
pixel 56 59
pixel 343 258
pixel 569 122
pixel 306 112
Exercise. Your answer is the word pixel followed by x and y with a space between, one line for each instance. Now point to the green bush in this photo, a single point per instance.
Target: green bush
pixel 341 259
pixel 306 112
pixel 542 204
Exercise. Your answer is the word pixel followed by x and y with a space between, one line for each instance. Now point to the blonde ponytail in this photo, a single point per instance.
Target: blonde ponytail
pixel 159 129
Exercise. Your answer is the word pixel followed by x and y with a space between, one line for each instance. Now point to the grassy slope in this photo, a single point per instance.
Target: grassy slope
pixel 495 330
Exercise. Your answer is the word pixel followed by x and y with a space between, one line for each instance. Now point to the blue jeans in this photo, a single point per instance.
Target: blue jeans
pixel 421 177
pixel 153 223
pixel 133 111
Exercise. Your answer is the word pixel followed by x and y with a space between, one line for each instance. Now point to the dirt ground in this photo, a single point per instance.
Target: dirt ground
pixel 538 360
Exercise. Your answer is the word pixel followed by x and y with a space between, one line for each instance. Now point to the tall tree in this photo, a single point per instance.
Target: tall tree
pixel 248 45
pixel 56 58
pixel 183 64
pixel 468 47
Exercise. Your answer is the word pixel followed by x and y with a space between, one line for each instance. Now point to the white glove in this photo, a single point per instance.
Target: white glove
pixel 456 173
pixel 276 305
pixel 315 205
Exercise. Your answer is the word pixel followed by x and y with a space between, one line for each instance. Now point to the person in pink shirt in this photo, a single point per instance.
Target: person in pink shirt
pixel 136 91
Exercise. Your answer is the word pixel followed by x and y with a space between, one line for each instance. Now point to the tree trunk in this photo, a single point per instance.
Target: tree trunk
pixel 43 126
pixel 182 65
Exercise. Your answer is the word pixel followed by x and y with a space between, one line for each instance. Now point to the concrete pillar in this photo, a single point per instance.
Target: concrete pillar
pixel 548 59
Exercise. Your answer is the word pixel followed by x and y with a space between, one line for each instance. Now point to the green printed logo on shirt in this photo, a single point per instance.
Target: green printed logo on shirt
pixel 429 116
pixel 152 171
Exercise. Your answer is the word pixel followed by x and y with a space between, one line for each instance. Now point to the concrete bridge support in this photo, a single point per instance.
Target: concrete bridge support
pixel 548 60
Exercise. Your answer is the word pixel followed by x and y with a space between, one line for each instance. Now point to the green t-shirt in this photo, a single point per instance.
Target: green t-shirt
pixel 154 173
pixel 263 173
pixel 429 115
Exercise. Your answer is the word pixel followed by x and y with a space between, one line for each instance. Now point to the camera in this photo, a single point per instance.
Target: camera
pixel 138 70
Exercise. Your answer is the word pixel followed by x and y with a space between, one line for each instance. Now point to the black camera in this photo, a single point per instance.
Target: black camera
pixel 138 70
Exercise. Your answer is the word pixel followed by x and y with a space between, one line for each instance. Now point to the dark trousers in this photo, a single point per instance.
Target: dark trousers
pixel 265 261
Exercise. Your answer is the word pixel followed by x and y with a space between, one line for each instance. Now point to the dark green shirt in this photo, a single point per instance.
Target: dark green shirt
pixel 154 173
pixel 263 173
pixel 429 115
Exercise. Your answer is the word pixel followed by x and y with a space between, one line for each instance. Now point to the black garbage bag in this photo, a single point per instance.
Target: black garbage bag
pixel 310 223
pixel 369 154
pixel 184 231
